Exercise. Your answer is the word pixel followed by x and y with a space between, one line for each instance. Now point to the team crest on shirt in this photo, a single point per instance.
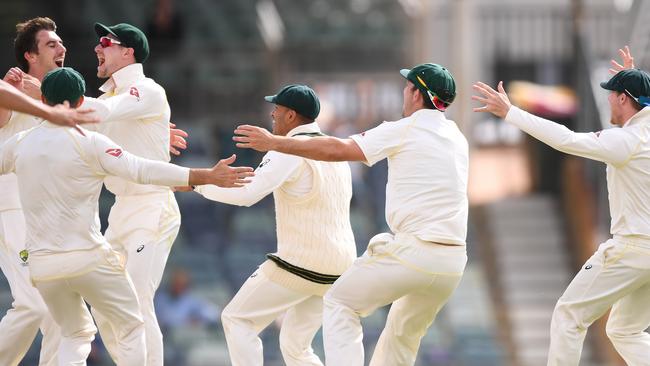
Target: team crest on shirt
pixel 134 91
pixel 24 256
pixel 114 152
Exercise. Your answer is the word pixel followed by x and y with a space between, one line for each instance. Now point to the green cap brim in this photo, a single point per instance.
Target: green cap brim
pixel 103 30
pixel 270 98
pixel 605 85
pixel 405 72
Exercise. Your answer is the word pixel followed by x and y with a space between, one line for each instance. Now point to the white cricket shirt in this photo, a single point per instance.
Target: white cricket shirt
pixel 626 151
pixel 428 159
pixel 18 122
pixel 276 170
pixel 135 114
pixel 60 173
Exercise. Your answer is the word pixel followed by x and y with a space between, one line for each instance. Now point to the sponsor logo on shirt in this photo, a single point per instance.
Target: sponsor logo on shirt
pixel 140 248
pixel 134 91
pixel 598 133
pixel 363 133
pixel 266 161
pixel 114 152
pixel 588 266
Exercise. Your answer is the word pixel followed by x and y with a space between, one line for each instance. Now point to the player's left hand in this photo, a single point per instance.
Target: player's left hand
pixel 496 102
pixel 253 137
pixel 176 139
pixel 626 57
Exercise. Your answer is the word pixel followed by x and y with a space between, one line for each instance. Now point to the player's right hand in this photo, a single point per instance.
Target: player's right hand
pixel 63 115
pixel 15 77
pixel 224 175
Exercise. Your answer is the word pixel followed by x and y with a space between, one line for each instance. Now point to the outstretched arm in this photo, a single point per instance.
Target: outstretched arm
pixel 324 148
pixel 12 99
pixel 614 146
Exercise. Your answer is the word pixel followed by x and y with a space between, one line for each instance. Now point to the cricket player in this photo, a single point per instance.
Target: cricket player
pixel 315 240
pixel 60 171
pixel 38 49
pixel 617 276
pixel 419 264
pixel 145 219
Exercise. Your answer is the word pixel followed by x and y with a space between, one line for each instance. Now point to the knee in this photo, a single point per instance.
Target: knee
pixel 567 319
pixel 288 345
pixel 230 319
pixel 616 332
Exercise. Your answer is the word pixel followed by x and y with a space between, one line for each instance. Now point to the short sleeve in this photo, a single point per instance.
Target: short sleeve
pixel 380 142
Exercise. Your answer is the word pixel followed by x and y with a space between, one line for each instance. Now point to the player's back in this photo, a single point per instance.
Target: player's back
pixel 59 189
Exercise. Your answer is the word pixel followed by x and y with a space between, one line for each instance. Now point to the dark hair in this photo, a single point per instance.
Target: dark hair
pixel 25 40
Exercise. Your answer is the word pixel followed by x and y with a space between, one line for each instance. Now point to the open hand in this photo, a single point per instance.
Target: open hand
pixel 253 137
pixel 63 115
pixel 626 57
pixel 496 102
pixel 224 175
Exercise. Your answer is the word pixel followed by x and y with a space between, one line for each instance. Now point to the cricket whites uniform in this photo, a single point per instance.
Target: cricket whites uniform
pixel 315 246
pixel 60 172
pixel 144 221
pixel 28 313
pixel 418 266
pixel 618 274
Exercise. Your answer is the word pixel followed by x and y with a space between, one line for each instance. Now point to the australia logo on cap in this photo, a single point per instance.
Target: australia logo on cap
pixel 114 152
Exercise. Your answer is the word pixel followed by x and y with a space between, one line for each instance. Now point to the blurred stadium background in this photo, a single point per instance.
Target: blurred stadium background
pixel 535 216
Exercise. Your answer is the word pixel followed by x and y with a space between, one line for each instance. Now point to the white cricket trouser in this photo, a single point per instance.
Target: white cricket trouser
pixel 417 277
pixel 143 228
pixel 97 276
pixel 257 303
pixel 616 276
pixel 28 312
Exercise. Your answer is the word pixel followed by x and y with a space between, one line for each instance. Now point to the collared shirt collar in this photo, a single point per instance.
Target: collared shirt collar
pixel 639 116
pixel 309 127
pixel 123 77
pixel 432 113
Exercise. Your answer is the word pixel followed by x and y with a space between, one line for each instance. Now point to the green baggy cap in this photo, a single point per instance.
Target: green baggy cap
pixel 632 81
pixel 61 84
pixel 300 98
pixel 434 81
pixel 129 36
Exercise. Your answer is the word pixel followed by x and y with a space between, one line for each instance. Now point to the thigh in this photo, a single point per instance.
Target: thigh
pixel 13 261
pixel 414 313
pixel 67 307
pixel 375 281
pixel 609 275
pixel 109 290
pixel 305 318
pixel 261 300
pixel 631 312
